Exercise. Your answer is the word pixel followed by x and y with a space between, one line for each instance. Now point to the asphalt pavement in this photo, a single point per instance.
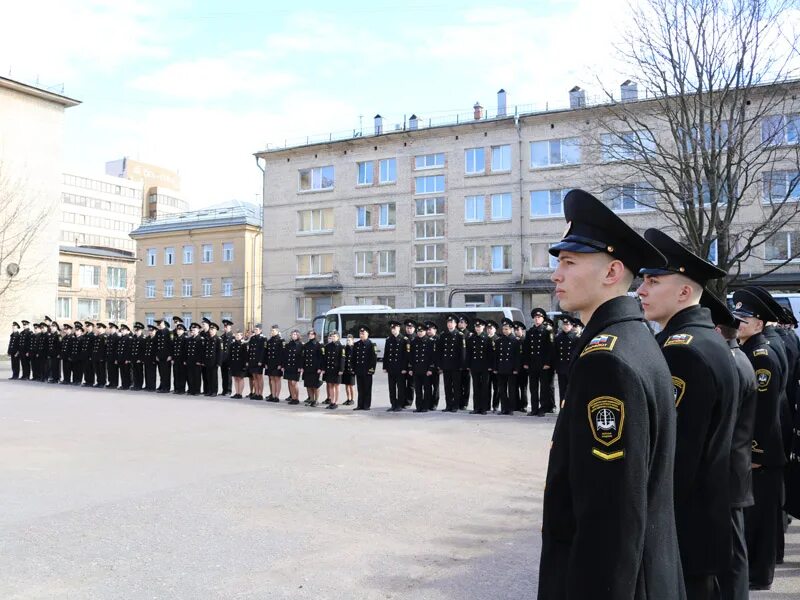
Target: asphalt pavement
pixel 110 494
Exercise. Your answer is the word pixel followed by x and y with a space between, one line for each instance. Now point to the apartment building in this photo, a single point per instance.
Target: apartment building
pixel 204 263
pixel 161 195
pixel 459 214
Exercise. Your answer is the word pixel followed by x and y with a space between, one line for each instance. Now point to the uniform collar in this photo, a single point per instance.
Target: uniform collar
pixel 692 316
pixel 756 340
pixel 616 310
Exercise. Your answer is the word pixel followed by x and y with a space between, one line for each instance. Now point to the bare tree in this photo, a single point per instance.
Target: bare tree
pixel 713 147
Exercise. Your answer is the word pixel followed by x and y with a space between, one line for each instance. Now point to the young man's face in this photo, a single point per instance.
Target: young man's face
pixel 257 331
pixel 749 326
pixel 431 332
pixel 227 328
pixel 659 296
pixel 273 332
pixel 451 326
pixel 566 326
pixel 212 331
pixel 579 278
pixel 506 330
pixel 478 328
pixel 462 325
pixel 538 320
pixel 409 330
pixel 519 332
pixel 161 325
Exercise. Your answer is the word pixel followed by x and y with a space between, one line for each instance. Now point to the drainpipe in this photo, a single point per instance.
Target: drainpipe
pixel 522 260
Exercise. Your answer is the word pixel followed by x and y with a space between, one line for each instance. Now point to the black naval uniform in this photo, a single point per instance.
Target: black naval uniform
pixel 164 358
pixel 292 356
pixel 422 357
pixel 273 355
pixel 312 362
pixel 466 381
pixel 255 354
pixel 609 523
pixel 125 360
pixel 54 358
pixel 521 400
pixel 137 362
pixel 478 357
pixel 409 376
pixel 703 375
pixel 149 362
pixel 36 356
pixel 237 358
pixel 494 392
pixel 365 358
pixel 25 340
pixel 562 352
pixel 537 354
pixel 178 363
pixel 66 357
pixel 88 362
pixel 395 363
pixel 506 365
pixel 80 356
pixel 112 368
pixel 99 359
pixel 435 378
pixel 212 355
pixel 193 359
pixel 14 353
pixel 451 354
pixel 225 368
pixel 334 362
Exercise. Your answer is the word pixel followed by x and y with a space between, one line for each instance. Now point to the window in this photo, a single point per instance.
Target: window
pixel 713 257
pixel 501 258
pixel 500 300
pixel 430 253
pixel 429 276
pixel 501 207
pixel 208 253
pixel 205 315
pixel 429 161
pixel 388 170
pixel 227 286
pixel 88 309
pixel 188 255
pixel 474 300
pixel 777 130
pixel 169 288
pixel 474 209
pixel 474 162
pixel 501 158
pixel 363 300
pixel 547 203
pixel 304 309
pixel 65 274
pixel 227 251
pixel 364 173
pixel 169 256
pixel 318 178
pixel 363 217
pixel 187 319
pixel 629 197
pixel 782 246
pixel 90 276
pixel 541 257
pixel 116 309
pixel 186 288
pixel 364 263
pixel 150 318
pixel 116 278
pixel 150 288
pixel 429 229
pixel 781 186
pixel 473 259
pixel 386 262
pixel 63 308
pixel 627 145
pixel 226 316
pixel 314 265
pixel 550 153
pixel 310 221
pixel 428 299
pixel 430 206
pixel 206 285
pixel 151 257
pixel 430 184
pixel 387 216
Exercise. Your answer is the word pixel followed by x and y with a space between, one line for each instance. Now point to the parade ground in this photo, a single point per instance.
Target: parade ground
pixel 110 494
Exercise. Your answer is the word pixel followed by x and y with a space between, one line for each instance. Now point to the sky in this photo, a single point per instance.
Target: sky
pixel 199 86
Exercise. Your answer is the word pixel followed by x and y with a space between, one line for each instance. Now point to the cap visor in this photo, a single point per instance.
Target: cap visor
pixel 572 247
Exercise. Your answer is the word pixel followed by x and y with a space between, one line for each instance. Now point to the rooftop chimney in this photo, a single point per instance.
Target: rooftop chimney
pixel 501 103
pixel 577 98
pixel 378 124
pixel 412 122
pixel 629 91
pixel 478 114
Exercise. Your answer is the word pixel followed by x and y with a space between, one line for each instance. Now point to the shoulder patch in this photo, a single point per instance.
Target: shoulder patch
pixel 763 377
pixel 606 419
pixel 679 387
pixel 761 352
pixel 604 341
pixel 679 339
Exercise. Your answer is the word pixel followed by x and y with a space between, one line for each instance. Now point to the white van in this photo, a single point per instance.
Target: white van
pixel 348 319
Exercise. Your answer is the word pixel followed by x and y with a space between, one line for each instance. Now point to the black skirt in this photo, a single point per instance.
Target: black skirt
pixel 332 377
pixel 349 379
pixel 255 370
pixel 274 372
pixel 291 375
pixel 311 379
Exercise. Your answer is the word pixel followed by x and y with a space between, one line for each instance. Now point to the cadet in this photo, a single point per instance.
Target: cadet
pixel 409 335
pixel 537 362
pixel 395 365
pixel 36 342
pixel 237 363
pixel 25 339
pixel 494 395
pixel 291 361
pixel 333 368
pixel 451 352
pixel 422 363
pixel 562 351
pixel 311 367
pixel 193 359
pixel 521 399
pixel 88 362
pixel 272 363
pixel 14 350
pixel 703 376
pixel 137 357
pixel 466 384
pixel 225 368
pixel 164 356
pixel 506 363
pixel 149 359
pixel 733 580
pixel 767 457
pixel 112 368
pixel 99 355
pixel 124 356
pixel 365 358
pixel 478 355
pixel 432 331
pixel 67 340
pixel 54 354
pixel 178 358
pixel 608 527
pixel 349 375
pixel 255 363
pixel 212 356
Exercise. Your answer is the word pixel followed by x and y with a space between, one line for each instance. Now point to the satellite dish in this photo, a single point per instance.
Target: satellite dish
pixel 12 269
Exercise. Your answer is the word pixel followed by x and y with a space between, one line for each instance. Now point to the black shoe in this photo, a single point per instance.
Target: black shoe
pixel 541 413
pixel 420 410
pixel 332 406
pixel 398 409
pixel 483 412
pixel 453 410
pixel 177 393
pixel 326 401
pixel 474 412
pixel 760 587
pixel 348 403
pixel 288 398
pixel 359 408
pixel 445 410
pixel 273 399
pixel 293 402
pixel 312 403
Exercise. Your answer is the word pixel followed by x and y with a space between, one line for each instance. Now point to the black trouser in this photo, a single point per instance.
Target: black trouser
pixel 364 386
pixel 66 365
pixel 563 380
pixel 541 386
pixel 480 391
pixel 733 582
pixel 100 372
pixel 138 375
pixel 225 375
pixel 26 366
pixel 699 587
pixel 434 389
pixel 494 392
pixel 150 371
pixel 164 375
pixel 88 371
pixel 193 377
pixel 423 390
pixel 397 389
pixel 112 369
pixel 55 369
pixel 506 388
pixel 409 395
pixel 521 401
pixel 15 364
pixel 761 524
pixel 125 375
pixel 452 389
pixel 466 384
pixel 34 360
pixel 180 377
pixel 210 380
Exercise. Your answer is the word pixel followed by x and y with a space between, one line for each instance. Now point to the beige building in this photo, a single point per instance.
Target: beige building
pixel 161 195
pixel 204 263
pixel 95 284
pixel 458 214
pixel 31 150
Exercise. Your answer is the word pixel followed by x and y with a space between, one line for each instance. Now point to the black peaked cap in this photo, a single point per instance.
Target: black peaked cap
pixel 748 304
pixel 767 299
pixel 720 313
pixel 679 260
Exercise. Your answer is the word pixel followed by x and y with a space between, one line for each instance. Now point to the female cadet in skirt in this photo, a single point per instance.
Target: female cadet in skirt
pixel 349 374
pixel 312 365
pixel 292 360
pixel 334 368
pixel 238 364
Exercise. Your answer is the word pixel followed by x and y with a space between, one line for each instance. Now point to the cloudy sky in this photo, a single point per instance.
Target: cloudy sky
pixel 199 86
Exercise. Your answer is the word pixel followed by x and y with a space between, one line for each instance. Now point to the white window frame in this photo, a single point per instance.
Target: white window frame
pixel 473 255
pixel 94 311
pixel 62 303
pixel 207 253
pixel 431 206
pixel 364 217
pixel 387 262
pixel 187 319
pixel 150 288
pixel 502 201
pixel 501 158
pixel 365 172
pixel 781 130
pixel 304 308
pixel 89 276
pixel 227 287
pixel 188 255
pixel 436 225
pixel 227 251
pixel 429 161
pixel 169 256
pixel 505 257
pixel 150 318
pixel 116 278
pixel 786 179
pixel 473 205
pixel 387 171
pixel 113 311
pixel 152 254
pixel 437 275
pixel 363 263
pixel 317 179
pixel 554 147
pixel 187 286
pixel 387 215
pixel 790 247
pixel 169 288
pixel 431 253
pixel 475 161
pixel 562 192
pixel 206 286
pixel 430 298
pixel 615 197
pixel 429 184
pixel 315 221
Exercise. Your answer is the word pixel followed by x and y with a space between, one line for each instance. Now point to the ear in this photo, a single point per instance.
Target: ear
pixel 615 272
